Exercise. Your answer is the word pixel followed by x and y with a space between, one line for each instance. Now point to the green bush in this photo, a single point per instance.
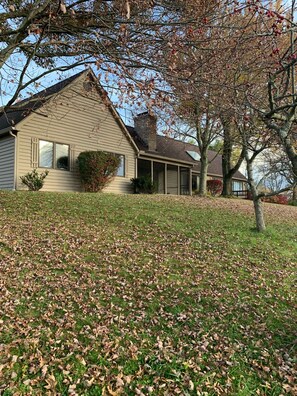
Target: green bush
pixel 97 169
pixel 34 180
pixel 143 185
pixel 293 203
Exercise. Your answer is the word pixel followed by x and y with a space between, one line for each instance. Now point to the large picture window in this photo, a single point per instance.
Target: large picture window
pixel 53 155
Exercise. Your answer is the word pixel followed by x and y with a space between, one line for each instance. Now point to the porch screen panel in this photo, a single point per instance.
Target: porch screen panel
pixel 172 179
pixel 159 177
pixel 184 181
pixel 195 182
pixel 144 168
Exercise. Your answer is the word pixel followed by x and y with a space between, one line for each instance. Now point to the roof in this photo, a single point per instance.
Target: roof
pixel 177 151
pixel 21 110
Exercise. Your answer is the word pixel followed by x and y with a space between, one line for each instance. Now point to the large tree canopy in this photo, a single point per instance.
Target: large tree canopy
pixel 119 37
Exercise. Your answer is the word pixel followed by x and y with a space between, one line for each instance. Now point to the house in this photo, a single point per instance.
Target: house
pixel 172 164
pixel 50 129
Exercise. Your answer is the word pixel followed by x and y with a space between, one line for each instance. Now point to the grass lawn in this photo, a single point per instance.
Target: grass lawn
pixel 138 295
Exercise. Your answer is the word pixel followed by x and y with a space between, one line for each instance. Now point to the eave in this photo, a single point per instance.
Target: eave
pixel 167 159
pixel 6 131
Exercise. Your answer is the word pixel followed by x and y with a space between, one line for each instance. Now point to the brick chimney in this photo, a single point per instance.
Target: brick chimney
pixel 146 127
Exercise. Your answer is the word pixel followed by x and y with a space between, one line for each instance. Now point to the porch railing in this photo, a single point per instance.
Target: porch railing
pixel 240 193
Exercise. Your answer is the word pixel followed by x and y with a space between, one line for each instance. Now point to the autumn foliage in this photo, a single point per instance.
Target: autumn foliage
pixel 214 187
pixel 278 199
pixel 97 168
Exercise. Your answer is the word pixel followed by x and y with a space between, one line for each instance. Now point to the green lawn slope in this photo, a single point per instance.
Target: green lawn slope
pixel 137 295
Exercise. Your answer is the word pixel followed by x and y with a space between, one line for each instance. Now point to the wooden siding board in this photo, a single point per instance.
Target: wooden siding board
pixel 86 124
pixel 7 149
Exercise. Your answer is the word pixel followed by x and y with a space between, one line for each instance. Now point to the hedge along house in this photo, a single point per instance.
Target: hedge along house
pixel 174 165
pixel 49 130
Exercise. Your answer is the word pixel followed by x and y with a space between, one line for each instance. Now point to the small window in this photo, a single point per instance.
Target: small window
pixel 194 155
pixel 53 155
pixel 121 168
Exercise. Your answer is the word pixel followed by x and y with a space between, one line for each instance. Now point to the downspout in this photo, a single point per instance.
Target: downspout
pixel 15 159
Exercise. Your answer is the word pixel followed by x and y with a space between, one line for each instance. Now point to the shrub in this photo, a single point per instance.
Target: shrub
pixel 97 169
pixel 143 185
pixel 249 195
pixel 214 187
pixel 293 203
pixel 278 199
pixel 34 180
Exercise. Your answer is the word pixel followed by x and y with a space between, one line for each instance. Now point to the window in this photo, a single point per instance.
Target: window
pixel 237 186
pixel 194 155
pixel 46 154
pixel 195 182
pixel 53 155
pixel 121 168
pixel 62 156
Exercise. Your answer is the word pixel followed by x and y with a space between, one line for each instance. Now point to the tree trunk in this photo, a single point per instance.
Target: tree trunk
pixel 258 207
pixel 289 142
pixel 203 173
pixel 227 186
pixel 260 222
pixel 289 146
pixel 226 158
pixel 294 196
pixel 227 168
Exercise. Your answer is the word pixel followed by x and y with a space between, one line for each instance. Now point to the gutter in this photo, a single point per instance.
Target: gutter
pixel 221 176
pixel 159 157
pixel 6 131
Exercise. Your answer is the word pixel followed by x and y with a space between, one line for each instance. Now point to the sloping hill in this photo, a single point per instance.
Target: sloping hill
pixel 110 295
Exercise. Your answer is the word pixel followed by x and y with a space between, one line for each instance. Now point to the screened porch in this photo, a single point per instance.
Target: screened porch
pixel 168 178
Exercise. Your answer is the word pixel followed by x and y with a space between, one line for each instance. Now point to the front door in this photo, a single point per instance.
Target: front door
pixel 184 181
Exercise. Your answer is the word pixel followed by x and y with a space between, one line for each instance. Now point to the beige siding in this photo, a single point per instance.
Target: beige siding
pixel 7 146
pixel 83 122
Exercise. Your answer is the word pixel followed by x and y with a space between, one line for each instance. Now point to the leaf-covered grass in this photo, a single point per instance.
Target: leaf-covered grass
pixel 137 295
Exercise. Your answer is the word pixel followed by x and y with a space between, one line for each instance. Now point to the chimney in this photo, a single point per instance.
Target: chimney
pixel 146 127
